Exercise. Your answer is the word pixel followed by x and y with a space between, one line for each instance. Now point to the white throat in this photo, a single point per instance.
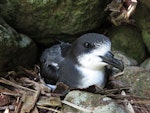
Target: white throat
pixel 92 59
pixel 92 62
pixel 91 77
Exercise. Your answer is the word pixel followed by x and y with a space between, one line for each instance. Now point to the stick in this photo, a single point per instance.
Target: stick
pixel 4 81
pixel 50 109
pixel 127 104
pixel 118 74
pixel 75 106
pixel 10 107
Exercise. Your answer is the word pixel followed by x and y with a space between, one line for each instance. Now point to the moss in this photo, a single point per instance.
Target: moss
pixel 39 18
pixel 128 39
pixel 145 2
pixel 146 38
pixel 142 18
pixel 142 86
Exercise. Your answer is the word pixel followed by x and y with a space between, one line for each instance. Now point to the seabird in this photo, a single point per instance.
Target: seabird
pixel 81 64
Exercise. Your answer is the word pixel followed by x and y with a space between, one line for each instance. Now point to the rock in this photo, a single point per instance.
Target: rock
pixel 139 80
pixel 128 39
pixel 145 2
pixel 48 19
pixel 91 102
pixel 142 18
pixel 127 61
pixel 146 64
pixel 146 38
pixel 15 49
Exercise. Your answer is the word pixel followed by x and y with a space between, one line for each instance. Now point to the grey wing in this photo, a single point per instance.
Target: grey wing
pixel 50 60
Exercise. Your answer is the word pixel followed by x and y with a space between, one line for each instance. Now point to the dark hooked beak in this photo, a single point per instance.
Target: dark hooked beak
pixel 109 59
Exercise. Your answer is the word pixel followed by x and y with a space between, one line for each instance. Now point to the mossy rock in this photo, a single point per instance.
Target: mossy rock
pixel 138 79
pixel 92 103
pixel 45 18
pixel 145 2
pixel 15 49
pixel 146 64
pixel 142 18
pixel 128 39
pixel 146 38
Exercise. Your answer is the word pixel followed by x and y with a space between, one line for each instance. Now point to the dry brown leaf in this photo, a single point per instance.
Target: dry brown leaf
pixel 61 89
pixel 4 99
pixel 32 74
pixel 35 85
pixel 29 101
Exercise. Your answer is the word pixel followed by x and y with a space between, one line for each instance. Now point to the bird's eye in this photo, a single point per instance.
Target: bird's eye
pixel 87 45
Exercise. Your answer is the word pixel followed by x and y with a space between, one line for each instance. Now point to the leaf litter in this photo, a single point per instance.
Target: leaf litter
pixel 29 93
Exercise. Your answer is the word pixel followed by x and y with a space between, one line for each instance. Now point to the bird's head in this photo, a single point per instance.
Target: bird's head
pixel 93 51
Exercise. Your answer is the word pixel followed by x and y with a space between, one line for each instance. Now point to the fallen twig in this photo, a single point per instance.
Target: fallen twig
pixel 118 74
pixel 126 96
pixel 10 107
pixel 11 93
pixel 6 110
pixel 4 81
pixel 75 106
pixel 31 73
pixel 136 101
pixel 50 109
pixel 127 104
pixel 140 102
pixel 114 90
pixel 18 105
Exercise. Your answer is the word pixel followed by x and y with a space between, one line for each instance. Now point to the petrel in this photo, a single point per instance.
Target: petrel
pixel 80 64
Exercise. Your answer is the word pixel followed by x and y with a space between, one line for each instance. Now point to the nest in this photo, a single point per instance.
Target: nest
pixel 25 91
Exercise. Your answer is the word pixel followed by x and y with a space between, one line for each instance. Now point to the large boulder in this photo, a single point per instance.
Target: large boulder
pixel 128 39
pixel 142 18
pixel 127 61
pixel 91 103
pixel 138 79
pixel 15 49
pixel 146 64
pixel 46 18
pixel 145 2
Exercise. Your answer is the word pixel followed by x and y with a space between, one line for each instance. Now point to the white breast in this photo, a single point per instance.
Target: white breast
pixel 91 77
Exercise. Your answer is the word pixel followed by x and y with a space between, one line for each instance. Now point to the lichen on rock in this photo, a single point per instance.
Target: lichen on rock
pixel 95 103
